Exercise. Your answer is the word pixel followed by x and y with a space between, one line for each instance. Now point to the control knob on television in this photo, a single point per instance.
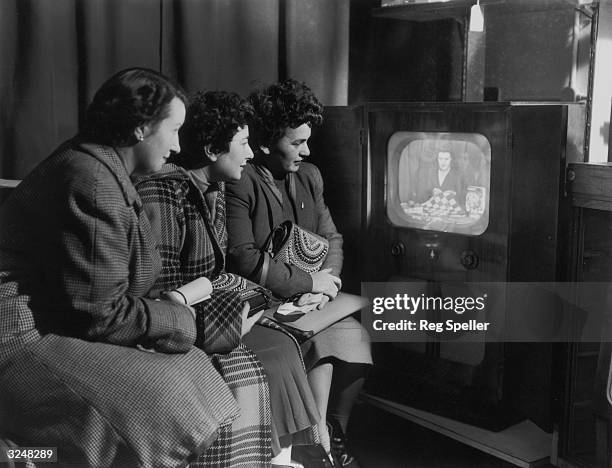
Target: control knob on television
pixel 469 259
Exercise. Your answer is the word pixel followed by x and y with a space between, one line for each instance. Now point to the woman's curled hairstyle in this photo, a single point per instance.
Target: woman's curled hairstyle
pixel 212 120
pixel 130 98
pixel 281 105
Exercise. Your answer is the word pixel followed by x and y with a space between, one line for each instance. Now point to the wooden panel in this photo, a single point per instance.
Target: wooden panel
pixel 538 139
pixel 590 185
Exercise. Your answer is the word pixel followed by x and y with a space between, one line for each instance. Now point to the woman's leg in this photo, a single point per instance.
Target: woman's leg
pixel 294 408
pixel 347 383
pixel 348 379
pixel 320 379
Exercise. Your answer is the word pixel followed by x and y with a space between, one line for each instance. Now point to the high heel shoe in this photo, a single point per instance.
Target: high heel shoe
pixel 342 457
pixel 312 456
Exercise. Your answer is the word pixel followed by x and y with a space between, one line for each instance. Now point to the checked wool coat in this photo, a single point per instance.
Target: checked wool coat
pixel 179 216
pixel 77 262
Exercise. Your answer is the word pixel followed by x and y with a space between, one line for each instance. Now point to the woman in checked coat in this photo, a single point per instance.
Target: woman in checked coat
pixel 89 363
pixel 186 205
pixel 187 255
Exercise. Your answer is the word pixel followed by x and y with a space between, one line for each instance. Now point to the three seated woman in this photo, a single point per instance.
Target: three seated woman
pixel 95 360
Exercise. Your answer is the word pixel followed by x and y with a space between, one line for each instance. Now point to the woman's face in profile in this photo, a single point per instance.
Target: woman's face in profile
pixel 159 140
pixel 291 149
pixel 228 165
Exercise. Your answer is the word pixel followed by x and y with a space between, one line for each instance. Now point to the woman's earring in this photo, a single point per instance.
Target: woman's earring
pixel 140 137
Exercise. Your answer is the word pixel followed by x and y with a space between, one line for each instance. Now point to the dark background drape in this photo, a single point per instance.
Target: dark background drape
pixel 56 53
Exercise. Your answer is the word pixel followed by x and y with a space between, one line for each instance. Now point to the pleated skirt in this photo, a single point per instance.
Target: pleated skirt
pixel 294 410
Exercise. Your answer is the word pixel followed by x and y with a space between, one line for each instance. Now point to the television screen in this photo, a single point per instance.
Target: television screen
pixel 439 181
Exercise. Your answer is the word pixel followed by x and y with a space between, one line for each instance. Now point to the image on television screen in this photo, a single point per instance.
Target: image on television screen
pixel 439 181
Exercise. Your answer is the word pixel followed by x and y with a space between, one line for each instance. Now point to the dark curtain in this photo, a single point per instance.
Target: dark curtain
pixel 231 44
pixel 317 34
pixel 56 53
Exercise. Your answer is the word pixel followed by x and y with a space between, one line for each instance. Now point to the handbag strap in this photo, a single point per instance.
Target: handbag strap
pixel 264 268
pixel 266 250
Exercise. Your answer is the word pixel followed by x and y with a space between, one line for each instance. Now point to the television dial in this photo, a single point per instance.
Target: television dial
pixel 398 249
pixel 469 259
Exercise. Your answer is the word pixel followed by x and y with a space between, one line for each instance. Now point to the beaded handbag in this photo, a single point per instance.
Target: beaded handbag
pixel 289 243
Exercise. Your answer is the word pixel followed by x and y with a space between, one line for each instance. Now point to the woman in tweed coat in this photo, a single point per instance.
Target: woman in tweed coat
pixel 88 363
pixel 187 210
pixel 280 186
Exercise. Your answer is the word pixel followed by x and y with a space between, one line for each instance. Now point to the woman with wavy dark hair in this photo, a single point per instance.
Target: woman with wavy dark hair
pixel 280 186
pixel 215 149
pixel 91 362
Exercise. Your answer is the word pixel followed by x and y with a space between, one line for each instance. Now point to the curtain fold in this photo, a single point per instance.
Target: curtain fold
pixel 221 44
pixel 38 80
pixel 317 33
pixel 56 53
pixel 113 35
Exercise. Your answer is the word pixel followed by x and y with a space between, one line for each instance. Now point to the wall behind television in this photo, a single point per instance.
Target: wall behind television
pixel 398 60
pixel 529 56
pixel 56 53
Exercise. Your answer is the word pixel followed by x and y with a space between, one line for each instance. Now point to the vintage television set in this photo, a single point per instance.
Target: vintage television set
pixel 448 193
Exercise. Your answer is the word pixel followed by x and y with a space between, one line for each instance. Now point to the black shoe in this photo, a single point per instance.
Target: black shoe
pixel 342 457
pixel 311 456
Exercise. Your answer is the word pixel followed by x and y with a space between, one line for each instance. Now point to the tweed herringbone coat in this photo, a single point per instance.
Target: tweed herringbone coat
pixel 77 261
pixel 180 217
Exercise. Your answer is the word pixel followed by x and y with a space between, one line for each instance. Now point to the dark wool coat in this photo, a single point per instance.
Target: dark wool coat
pixel 77 260
pixel 181 219
pixel 253 210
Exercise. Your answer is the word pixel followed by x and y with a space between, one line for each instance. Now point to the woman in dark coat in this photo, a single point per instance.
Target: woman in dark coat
pixel 186 205
pixel 88 362
pixel 280 186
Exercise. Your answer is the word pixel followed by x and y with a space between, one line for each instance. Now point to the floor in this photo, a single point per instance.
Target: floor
pixel 382 440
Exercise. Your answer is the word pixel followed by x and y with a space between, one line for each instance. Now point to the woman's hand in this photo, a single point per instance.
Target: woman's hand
pixel 324 300
pixel 324 282
pixel 311 299
pixel 248 322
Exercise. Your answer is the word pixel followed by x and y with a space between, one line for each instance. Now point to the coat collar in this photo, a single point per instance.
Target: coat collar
pixel 109 157
pixel 168 171
pixel 266 176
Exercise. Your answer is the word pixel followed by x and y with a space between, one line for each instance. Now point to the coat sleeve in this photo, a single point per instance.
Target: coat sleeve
pixel 245 256
pixel 96 269
pixel 326 227
pixel 218 319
